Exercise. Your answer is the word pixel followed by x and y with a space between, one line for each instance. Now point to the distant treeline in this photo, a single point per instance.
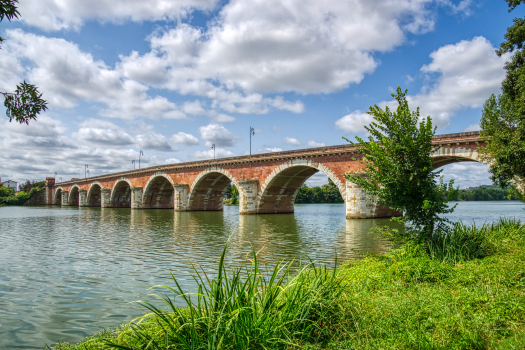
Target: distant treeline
pixel 9 197
pixel 328 193
pixel 485 193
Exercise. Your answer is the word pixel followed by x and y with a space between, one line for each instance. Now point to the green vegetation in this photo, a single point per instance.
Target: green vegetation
pixel 465 290
pixel 486 193
pixel 8 196
pixel 398 167
pixel 503 120
pixel 328 193
pixel 232 195
pixel 25 103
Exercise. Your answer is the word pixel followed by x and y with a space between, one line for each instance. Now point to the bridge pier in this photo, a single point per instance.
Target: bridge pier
pixel 181 197
pixel 105 198
pixel 359 206
pixel 50 182
pixel 248 190
pixel 82 198
pixel 136 198
pixel 65 198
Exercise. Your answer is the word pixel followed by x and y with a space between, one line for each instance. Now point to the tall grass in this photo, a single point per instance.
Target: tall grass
pixel 464 243
pixel 244 308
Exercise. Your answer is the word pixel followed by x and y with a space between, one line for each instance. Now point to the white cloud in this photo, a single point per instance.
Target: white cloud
pixel 312 143
pixel 203 155
pixel 67 75
pixel 185 139
pixel 104 137
pixel 194 108
pixel 466 174
pixel 154 141
pixel 292 141
pixel 71 14
pixel 472 127
pixel 218 135
pixel 44 126
pixel 276 128
pixel 354 122
pixel 221 117
pixel 267 149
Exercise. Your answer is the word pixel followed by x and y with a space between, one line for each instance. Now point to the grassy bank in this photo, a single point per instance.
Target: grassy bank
pixel 465 290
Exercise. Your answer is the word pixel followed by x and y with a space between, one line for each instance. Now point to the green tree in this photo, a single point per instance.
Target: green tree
pixel 503 119
pixel 25 103
pixel 399 168
pixel 235 195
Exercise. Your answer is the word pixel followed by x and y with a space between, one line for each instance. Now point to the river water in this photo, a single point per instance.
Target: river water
pixel 65 273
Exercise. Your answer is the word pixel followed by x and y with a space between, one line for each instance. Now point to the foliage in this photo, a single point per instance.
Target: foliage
pixel 399 167
pixel 406 299
pixel 486 193
pixel 8 10
pixel 8 196
pixel 25 103
pixel 328 193
pixel 231 194
pixel 503 120
pixel 503 128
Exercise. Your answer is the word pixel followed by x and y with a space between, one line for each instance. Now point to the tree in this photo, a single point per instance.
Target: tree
pixel 25 103
pixel 398 167
pixel 503 119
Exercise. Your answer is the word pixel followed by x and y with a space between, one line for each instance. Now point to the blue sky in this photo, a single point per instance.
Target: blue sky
pixel 172 78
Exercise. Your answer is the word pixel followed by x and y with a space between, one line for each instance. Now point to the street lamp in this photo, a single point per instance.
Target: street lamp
pixel 140 154
pixel 85 170
pixel 213 148
pixel 133 162
pixel 252 132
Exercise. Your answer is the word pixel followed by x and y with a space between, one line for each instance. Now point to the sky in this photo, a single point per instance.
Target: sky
pixel 174 77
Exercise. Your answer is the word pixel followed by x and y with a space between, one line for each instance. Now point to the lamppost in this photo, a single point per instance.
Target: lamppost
pixel 85 170
pixel 252 132
pixel 133 162
pixel 213 148
pixel 140 154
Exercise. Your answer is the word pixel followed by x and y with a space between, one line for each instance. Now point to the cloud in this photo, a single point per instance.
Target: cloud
pixel 184 139
pixel 203 155
pixel 354 122
pixel 292 141
pixel 472 127
pixel 276 128
pixel 102 133
pixel 194 108
pixel 266 149
pixel 316 144
pixel 67 75
pixel 218 135
pixel 154 141
pixel 467 174
pixel 72 14
pixel 44 126
pixel 467 72
pixel 221 117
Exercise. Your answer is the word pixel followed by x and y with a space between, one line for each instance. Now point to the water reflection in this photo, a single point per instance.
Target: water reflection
pixel 65 273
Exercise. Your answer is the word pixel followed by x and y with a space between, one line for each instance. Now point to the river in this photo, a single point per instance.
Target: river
pixel 65 273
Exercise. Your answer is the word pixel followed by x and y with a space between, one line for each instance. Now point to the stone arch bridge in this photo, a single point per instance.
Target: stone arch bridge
pixel 267 183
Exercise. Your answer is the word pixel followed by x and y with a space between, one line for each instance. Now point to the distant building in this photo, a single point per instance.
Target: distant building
pixel 11 183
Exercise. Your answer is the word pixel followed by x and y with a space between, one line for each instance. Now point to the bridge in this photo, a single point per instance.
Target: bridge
pixel 267 183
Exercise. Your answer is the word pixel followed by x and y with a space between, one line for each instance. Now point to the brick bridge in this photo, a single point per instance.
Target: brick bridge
pixel 267 183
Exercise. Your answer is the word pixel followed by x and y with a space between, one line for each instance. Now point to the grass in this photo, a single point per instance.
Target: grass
pixel 465 290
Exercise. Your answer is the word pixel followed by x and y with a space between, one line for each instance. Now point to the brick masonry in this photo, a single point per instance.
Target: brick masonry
pixel 267 183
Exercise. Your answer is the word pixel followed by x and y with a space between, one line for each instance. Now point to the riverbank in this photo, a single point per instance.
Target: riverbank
pixel 469 295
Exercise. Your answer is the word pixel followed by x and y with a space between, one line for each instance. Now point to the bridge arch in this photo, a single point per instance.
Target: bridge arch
pixel 279 189
pixel 207 190
pixel 94 195
pixel 454 154
pixel 74 196
pixel 159 192
pixel 57 198
pixel 121 194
